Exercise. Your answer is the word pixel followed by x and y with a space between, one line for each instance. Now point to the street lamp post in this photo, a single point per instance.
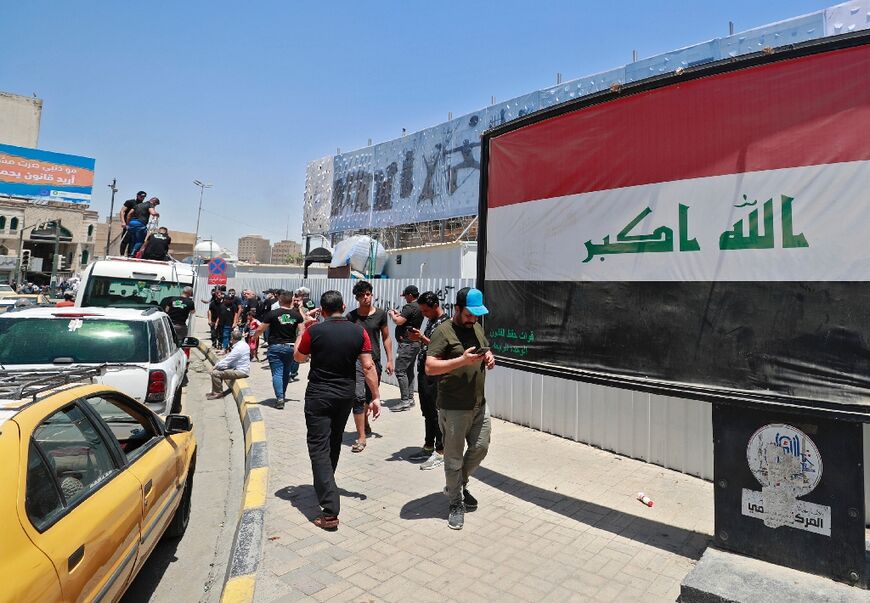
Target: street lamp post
pixel 202 186
pixel 111 215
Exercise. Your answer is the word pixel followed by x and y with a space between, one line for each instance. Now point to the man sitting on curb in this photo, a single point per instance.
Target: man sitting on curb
pixel 235 365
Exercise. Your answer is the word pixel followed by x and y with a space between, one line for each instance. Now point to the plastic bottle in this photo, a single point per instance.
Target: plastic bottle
pixel 644 499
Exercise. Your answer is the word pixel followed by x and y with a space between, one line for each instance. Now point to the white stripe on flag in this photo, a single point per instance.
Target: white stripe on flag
pixel 548 240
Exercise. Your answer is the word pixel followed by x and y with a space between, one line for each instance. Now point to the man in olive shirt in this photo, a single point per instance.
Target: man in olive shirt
pixel 458 352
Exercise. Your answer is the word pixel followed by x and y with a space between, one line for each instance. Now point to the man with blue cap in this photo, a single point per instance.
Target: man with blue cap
pixel 459 352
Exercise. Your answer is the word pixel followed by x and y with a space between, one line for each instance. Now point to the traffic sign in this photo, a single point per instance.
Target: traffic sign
pixel 217 271
pixel 217 266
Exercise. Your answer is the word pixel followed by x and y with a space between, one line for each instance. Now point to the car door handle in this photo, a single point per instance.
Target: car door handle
pixel 76 558
pixel 147 490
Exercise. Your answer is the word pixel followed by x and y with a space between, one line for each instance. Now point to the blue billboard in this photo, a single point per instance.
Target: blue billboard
pixel 46 176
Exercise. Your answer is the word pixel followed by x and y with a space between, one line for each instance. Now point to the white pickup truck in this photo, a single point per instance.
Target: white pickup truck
pixel 139 347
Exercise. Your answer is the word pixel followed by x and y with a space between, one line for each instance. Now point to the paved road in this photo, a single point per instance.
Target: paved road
pixel 192 569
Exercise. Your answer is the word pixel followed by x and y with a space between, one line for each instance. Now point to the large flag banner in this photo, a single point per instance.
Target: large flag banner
pixel 706 234
pixel 47 176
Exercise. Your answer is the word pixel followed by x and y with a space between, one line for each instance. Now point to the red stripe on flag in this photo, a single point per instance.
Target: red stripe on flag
pixel 811 110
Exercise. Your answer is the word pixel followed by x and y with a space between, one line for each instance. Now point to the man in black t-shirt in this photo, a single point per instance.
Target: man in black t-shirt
pixel 374 321
pixel 227 320
pixel 334 346
pixel 282 324
pixel 125 215
pixel 156 246
pixel 179 309
pixel 432 453
pixel 214 308
pixel 138 222
pixel 409 318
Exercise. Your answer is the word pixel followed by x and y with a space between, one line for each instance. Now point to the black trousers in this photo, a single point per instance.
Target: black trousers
pixel 325 419
pixel 427 388
pixel 126 242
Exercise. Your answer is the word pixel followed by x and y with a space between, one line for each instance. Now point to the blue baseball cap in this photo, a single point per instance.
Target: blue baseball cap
pixel 471 300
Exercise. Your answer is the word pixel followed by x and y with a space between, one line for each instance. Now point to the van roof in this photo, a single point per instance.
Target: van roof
pixel 133 314
pixel 135 268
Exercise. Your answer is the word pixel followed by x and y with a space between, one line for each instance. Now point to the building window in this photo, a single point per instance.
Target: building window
pixel 13 224
pixel 2 222
pixel 90 231
pixel 84 258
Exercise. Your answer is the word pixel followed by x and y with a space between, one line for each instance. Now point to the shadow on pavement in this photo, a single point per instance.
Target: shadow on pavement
pixel 431 506
pixel 673 539
pixel 404 453
pixel 148 579
pixel 304 498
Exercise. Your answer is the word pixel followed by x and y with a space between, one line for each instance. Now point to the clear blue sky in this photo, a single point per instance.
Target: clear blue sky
pixel 244 95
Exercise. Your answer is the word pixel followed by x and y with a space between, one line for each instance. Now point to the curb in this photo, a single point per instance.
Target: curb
pixel 241 575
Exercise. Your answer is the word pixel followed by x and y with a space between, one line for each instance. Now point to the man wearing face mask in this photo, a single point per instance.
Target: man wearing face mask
pixel 459 352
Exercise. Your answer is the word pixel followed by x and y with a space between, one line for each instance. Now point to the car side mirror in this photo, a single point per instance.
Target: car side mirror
pixel 178 424
pixel 189 342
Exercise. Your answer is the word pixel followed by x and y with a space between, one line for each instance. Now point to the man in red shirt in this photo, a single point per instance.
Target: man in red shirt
pixel 334 347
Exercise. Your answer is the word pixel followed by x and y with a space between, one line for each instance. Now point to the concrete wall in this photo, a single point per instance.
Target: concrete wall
pixel 19 120
pixel 452 260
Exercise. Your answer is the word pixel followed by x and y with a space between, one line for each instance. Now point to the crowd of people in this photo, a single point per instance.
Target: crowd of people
pixel 450 357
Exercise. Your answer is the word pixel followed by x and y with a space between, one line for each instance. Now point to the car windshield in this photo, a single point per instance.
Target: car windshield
pixel 117 292
pixel 6 289
pixel 63 340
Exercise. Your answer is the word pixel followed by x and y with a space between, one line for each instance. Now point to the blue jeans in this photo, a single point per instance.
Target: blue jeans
pixel 225 337
pixel 137 232
pixel 280 356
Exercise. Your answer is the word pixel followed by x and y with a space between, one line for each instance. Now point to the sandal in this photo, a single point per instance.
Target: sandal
pixel 358 446
pixel 327 522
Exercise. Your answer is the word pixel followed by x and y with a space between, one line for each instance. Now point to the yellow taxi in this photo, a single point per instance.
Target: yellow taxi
pixel 90 481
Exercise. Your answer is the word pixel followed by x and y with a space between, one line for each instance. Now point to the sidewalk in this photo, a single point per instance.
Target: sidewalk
pixel 558 520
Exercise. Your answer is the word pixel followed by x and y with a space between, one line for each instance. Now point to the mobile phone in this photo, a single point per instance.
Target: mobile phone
pixel 480 351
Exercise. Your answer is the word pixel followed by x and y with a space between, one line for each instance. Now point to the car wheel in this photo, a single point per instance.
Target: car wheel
pixel 182 513
pixel 176 402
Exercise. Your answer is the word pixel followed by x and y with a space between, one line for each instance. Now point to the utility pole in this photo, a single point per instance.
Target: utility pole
pixel 54 262
pixel 111 215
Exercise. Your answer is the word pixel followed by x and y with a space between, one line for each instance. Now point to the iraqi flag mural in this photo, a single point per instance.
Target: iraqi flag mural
pixel 706 234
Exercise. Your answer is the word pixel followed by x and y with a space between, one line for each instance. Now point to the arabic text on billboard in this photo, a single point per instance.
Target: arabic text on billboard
pixel 35 174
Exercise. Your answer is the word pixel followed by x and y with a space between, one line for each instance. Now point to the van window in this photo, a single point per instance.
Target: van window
pixel 121 292
pixel 43 340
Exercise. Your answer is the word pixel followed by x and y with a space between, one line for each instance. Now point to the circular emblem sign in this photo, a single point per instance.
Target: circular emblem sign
pixel 784 458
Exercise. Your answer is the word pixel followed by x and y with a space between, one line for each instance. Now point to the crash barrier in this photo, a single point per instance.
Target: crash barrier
pixel 241 574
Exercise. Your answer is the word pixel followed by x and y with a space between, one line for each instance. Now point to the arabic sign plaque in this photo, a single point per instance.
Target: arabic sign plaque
pixel 787 464
pixel 776 500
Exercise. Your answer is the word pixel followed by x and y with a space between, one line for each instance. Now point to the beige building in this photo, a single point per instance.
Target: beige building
pixel 180 248
pixel 19 120
pixel 282 251
pixel 26 225
pixel 254 249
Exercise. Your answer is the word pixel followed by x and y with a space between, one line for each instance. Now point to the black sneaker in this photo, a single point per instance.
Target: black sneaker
pixel 422 455
pixel 456 517
pixel 279 403
pixel 469 500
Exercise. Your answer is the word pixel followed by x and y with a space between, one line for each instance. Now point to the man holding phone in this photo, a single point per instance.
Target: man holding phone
pixel 459 352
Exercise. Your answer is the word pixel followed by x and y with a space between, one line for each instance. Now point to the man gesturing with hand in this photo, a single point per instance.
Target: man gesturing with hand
pixel 334 346
pixel 458 351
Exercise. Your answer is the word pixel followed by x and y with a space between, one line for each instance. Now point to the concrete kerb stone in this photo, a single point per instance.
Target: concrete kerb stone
pixel 240 579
